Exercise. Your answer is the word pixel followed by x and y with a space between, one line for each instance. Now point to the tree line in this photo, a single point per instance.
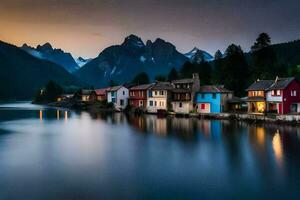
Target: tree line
pixel 234 69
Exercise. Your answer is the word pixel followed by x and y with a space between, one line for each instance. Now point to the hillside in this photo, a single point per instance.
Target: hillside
pixel 22 74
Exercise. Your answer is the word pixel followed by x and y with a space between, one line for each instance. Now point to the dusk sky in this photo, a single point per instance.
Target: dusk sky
pixel 85 28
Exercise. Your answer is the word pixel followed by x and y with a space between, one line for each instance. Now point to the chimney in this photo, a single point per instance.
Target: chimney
pixel 196 85
pixel 276 79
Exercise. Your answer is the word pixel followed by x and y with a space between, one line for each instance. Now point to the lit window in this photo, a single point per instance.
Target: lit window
pixel 278 92
pixel 293 93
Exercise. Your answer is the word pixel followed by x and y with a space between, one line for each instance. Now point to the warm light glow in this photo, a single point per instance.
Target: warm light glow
pixel 260 134
pixel 41 115
pixel 277 147
pixel 261 106
pixel 66 115
pixel 57 114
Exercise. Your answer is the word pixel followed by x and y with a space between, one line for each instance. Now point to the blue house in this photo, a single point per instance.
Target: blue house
pixel 212 99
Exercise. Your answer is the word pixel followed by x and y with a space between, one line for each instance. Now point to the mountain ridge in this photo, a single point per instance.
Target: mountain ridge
pixel 57 56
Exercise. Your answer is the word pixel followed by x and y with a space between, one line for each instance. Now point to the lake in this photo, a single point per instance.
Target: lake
pixel 46 153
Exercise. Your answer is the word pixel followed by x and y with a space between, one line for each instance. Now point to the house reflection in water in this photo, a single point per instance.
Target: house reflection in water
pixel 183 127
pixel 277 147
pixel 53 114
pixel 205 127
pixel 157 125
pixel 257 136
pixel 66 115
pixel 41 115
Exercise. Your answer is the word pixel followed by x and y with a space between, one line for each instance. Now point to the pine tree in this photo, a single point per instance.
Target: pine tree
pixel 173 75
pixel 263 40
pixel 141 78
pixel 235 70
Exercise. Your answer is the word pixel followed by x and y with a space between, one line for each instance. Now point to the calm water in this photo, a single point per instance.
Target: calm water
pixel 57 154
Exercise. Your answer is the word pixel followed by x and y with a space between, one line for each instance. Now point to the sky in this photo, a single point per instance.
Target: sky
pixel 86 27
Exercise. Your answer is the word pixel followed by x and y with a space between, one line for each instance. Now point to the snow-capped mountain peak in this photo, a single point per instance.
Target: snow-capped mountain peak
pixel 197 55
pixel 81 61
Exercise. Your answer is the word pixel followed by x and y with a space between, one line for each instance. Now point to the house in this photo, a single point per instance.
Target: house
pixel 99 94
pixel 257 96
pixel 118 95
pixel 64 97
pixel 83 95
pixel 138 95
pixel 283 96
pixel 212 99
pixel 183 94
pixel 158 97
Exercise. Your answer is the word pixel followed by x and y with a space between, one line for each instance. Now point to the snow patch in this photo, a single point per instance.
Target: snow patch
pixel 142 59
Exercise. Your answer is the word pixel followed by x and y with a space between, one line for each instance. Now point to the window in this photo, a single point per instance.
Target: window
pixel 214 95
pixel 161 92
pixel 141 103
pixel 275 92
pixel 202 106
pixel 278 92
pixel 150 93
pixel 155 103
pixel 180 105
pixel 293 93
pixel 113 100
pixel 122 102
pixel 187 96
pixel 123 92
pixel 155 93
pixel 150 103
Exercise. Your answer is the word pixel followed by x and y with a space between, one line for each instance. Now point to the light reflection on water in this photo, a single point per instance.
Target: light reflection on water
pixel 60 154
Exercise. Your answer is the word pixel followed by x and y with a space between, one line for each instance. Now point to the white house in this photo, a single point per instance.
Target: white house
pixel 158 97
pixel 118 95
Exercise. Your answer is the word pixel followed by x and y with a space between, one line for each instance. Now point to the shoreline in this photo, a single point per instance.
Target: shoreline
pixel 247 117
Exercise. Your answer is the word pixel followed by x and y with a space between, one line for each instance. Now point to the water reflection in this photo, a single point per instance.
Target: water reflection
pixel 277 147
pixel 98 154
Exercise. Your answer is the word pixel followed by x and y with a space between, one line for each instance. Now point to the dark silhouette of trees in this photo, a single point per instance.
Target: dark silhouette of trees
pixel 141 78
pixel 173 75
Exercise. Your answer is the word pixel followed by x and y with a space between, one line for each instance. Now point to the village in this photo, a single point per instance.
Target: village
pixel 270 100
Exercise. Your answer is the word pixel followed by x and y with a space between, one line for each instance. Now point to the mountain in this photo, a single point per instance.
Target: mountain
pixel 57 56
pixel 22 74
pixel 122 62
pixel 197 56
pixel 81 61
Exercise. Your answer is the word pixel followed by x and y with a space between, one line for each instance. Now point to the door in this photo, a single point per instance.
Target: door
pixel 294 108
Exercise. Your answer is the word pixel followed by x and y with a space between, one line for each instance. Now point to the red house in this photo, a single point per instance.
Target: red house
pixel 138 95
pixel 283 96
pixel 99 94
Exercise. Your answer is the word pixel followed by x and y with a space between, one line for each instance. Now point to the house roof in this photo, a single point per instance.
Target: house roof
pixel 182 81
pixel 162 86
pixel 181 90
pixel 235 100
pixel 255 99
pixel 260 85
pixel 281 83
pixel 85 92
pixel 114 88
pixel 101 91
pixel 213 89
pixel 142 87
